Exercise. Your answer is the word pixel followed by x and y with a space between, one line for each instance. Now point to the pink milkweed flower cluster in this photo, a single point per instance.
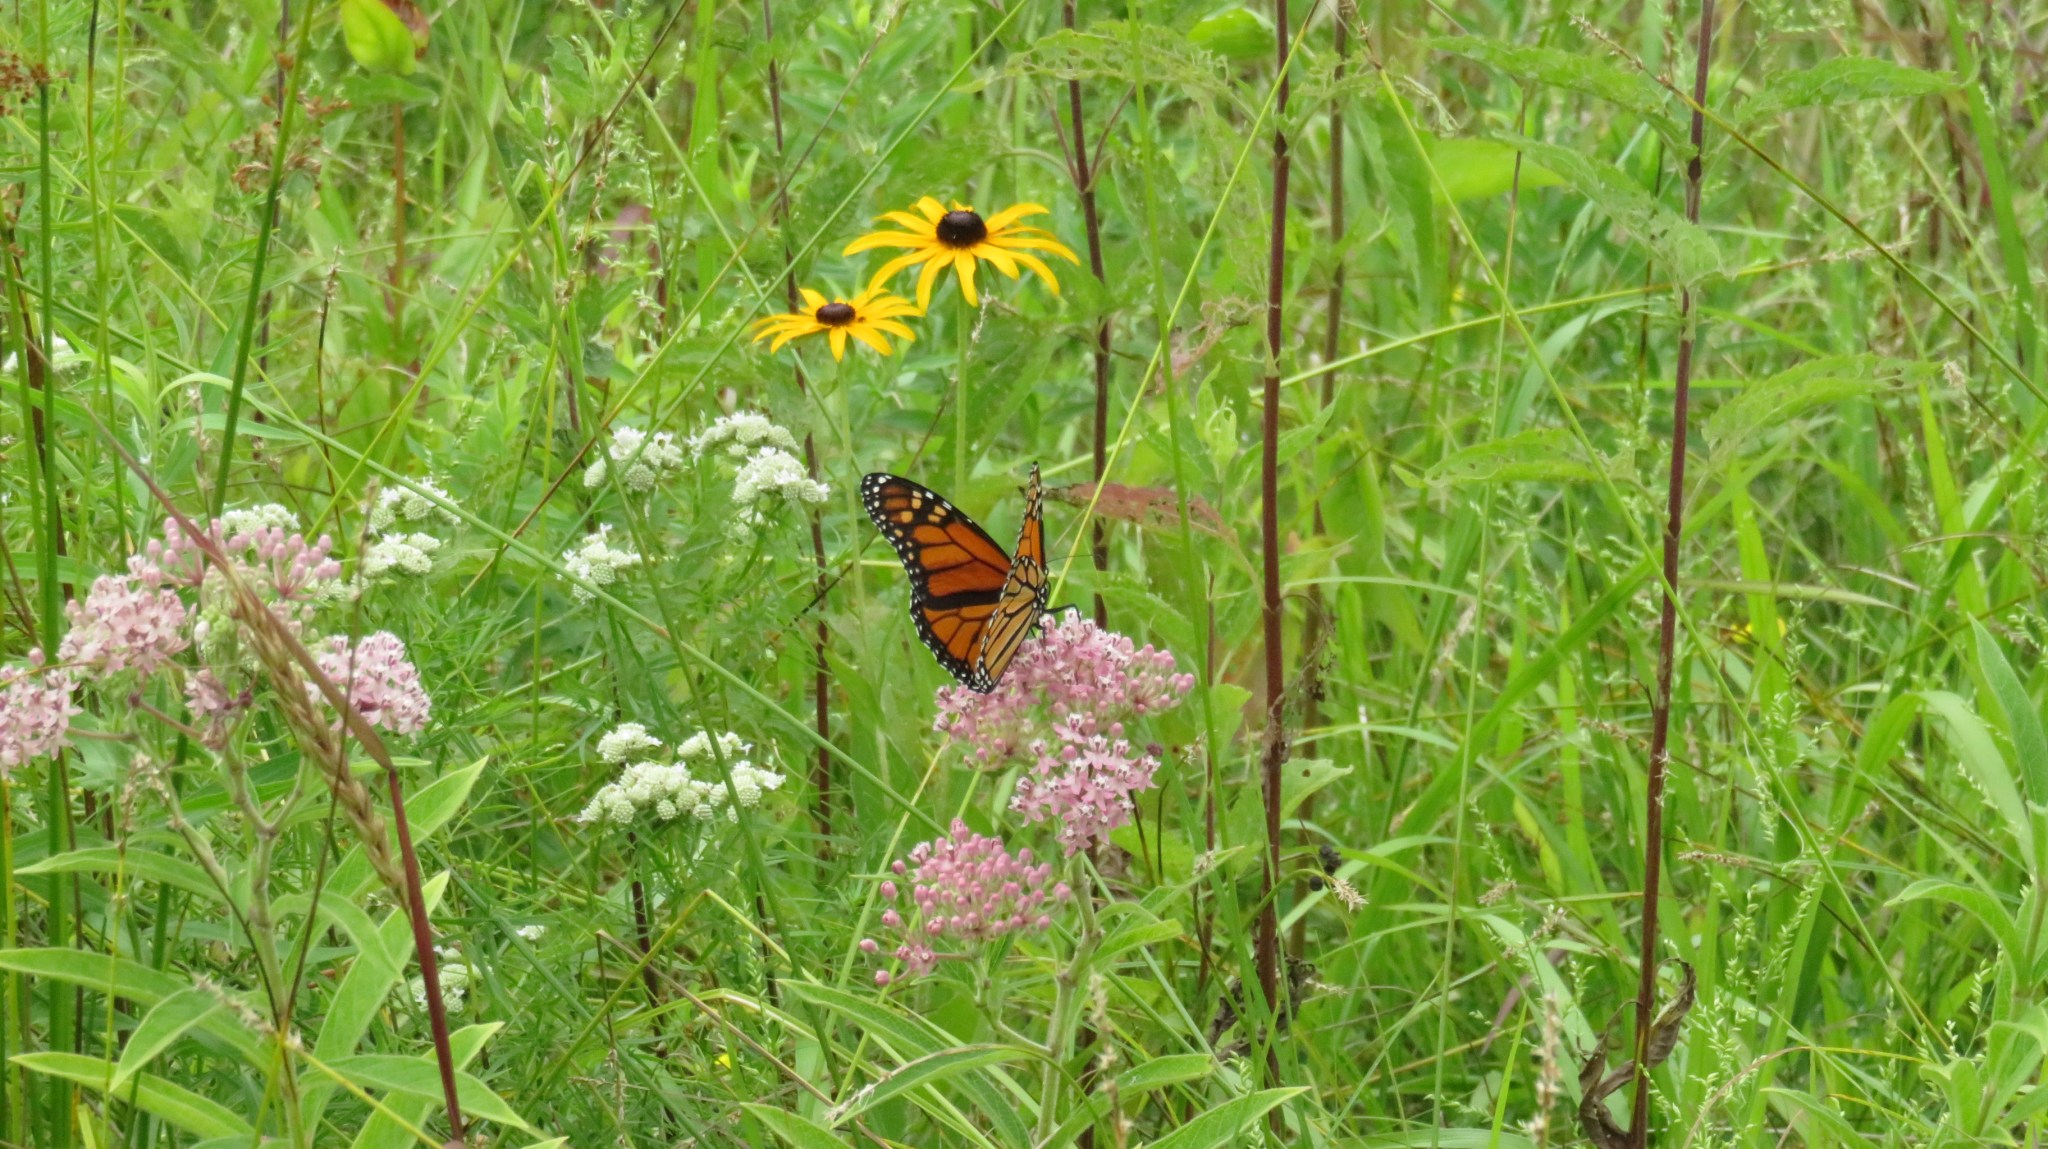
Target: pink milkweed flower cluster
pixel 127 622
pixel 963 886
pixel 1064 702
pixel 174 598
pixel 377 679
pixel 35 712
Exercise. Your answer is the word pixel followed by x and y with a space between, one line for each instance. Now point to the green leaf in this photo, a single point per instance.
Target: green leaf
pixel 798 1131
pixel 1160 1072
pixel 1136 933
pixel 1842 80
pixel 166 1022
pixel 141 865
pixel 2022 721
pixel 1444 1139
pixel 1234 34
pixel 377 38
pixel 1540 454
pixel 1977 903
pixel 1770 404
pixel 122 977
pixel 1687 252
pixel 1987 767
pixel 910 1039
pixel 421 1077
pixel 153 1095
pixel 930 1070
pixel 1471 169
pixel 1224 1124
pixel 1591 73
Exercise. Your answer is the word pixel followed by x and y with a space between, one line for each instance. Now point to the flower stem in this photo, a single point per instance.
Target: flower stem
pixel 960 401
pixel 1274 750
pixel 1067 985
pixel 1667 623
pixel 423 947
pixel 1084 183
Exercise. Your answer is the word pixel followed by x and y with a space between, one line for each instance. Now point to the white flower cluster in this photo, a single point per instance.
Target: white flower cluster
pixel 395 504
pixel 454 982
pixel 667 790
pixel 647 459
pixel 261 517
pixel 596 562
pixel 531 933
pixel 629 739
pixel 739 433
pixel 411 554
pixel 396 550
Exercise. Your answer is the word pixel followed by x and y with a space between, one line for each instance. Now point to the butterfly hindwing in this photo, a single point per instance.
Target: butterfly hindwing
pixel 956 570
pixel 972 603
pixel 1023 596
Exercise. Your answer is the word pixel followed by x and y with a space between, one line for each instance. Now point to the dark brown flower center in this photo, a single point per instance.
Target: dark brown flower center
pixel 961 229
pixel 836 314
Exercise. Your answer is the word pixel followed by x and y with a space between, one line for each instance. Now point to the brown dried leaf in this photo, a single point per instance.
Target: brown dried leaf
pixel 1670 1019
pixel 1153 508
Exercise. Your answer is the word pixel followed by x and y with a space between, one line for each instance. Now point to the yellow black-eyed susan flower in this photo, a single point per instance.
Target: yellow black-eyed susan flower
pixel 867 317
pixel 959 238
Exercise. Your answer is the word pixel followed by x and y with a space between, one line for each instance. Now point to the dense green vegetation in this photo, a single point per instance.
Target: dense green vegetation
pixel 467 296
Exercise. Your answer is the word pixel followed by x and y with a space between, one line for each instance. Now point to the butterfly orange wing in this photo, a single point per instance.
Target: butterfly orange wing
pixel 957 573
pixel 1024 592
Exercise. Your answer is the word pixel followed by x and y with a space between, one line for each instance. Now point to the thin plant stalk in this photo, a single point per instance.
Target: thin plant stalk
pixel 1274 749
pixel 265 228
pixel 1091 219
pixel 821 684
pixel 397 274
pixel 1667 622
pixel 1318 617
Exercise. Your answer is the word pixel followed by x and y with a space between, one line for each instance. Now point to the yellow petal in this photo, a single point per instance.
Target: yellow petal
pixel 933 210
pixel 895 265
pixel 1017 242
pixel 875 239
pixel 894 328
pixel 1038 265
pixel 964 264
pixel 926 279
pixel 838 338
pixel 910 223
pixel 792 332
pixel 812 300
pixel 870 338
pixel 1012 214
pixel 1000 259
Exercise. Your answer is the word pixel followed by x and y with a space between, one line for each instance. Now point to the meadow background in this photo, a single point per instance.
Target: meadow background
pixel 422 299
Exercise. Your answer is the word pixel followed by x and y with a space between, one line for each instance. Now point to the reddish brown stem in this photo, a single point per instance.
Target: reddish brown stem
pixel 1084 183
pixel 1275 748
pixel 1667 621
pixel 430 967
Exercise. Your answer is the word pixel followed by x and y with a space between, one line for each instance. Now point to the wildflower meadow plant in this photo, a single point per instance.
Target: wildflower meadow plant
pixel 689 783
pixel 1063 705
pixel 644 460
pixel 596 562
pixel 966 889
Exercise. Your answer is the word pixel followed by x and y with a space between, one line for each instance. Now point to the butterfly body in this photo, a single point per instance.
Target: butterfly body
pixel 972 602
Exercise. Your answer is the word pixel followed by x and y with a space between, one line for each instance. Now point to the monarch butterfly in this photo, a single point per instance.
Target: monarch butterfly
pixel 972 603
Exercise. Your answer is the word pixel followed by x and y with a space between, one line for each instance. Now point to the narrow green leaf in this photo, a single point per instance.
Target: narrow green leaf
pixel 1160 1072
pixel 799 1132
pixel 1226 1123
pixel 121 977
pixel 1685 249
pixel 166 1022
pixel 2022 721
pixel 1842 80
pixel 1541 454
pixel 154 1095
pixel 1977 903
pixel 1590 73
pixel 141 865
pixel 421 1077
pixel 930 1070
pixel 1234 34
pixel 1980 756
